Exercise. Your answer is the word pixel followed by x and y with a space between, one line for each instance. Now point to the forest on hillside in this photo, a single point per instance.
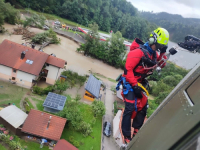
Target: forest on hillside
pixel 177 26
pixel 115 15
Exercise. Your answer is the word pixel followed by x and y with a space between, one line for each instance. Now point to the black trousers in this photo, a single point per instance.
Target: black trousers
pixel 126 121
pixel 139 118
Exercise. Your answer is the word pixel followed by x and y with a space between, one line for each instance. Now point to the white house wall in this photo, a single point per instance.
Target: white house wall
pixel 5 72
pixel 25 79
pixel 53 74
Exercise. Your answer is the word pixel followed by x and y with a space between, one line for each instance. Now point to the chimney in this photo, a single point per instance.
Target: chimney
pixel 49 122
pixel 23 54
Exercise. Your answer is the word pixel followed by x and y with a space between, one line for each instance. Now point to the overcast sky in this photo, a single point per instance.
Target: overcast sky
pixel 186 8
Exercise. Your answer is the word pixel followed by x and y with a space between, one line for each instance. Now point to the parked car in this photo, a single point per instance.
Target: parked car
pixel 45 27
pixel 107 129
pixel 57 22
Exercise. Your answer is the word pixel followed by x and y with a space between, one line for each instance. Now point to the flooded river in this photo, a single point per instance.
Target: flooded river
pixel 184 58
pixel 67 51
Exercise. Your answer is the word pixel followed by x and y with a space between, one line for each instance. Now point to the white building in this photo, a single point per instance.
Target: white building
pixel 23 65
pixel 13 118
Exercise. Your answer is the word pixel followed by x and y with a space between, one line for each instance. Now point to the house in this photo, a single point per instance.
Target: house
pixel 13 118
pixel 92 88
pixel 44 125
pixel 54 102
pixel 23 65
pixel 64 145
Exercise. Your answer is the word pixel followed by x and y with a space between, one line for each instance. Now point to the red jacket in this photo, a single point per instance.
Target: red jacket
pixel 133 59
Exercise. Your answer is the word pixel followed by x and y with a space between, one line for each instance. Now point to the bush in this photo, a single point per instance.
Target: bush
pixel 27 108
pixel 74 78
pixel 41 91
pixel 161 97
pixel 161 87
pixel 38 90
pixel 71 139
pixel 48 89
pixel 85 128
pixel 152 107
pixel 76 144
pixel 98 108
pixel 115 107
pixel 48 36
pixel 170 80
pixel 78 97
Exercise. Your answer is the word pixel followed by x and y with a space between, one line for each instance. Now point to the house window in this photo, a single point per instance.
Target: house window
pixel 13 78
pixel 14 70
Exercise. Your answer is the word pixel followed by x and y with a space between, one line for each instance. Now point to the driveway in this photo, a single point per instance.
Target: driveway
pixel 108 143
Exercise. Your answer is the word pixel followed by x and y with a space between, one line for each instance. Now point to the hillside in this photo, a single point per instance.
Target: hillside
pixel 178 26
pixel 108 14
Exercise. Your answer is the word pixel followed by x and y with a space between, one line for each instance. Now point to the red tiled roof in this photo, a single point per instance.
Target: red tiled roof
pixel 36 124
pixel 64 145
pixel 55 61
pixel 10 53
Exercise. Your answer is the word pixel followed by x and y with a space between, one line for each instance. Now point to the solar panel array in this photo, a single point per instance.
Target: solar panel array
pixel 55 101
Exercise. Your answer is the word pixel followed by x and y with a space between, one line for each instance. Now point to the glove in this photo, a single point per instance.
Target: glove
pixel 163 50
pixel 137 91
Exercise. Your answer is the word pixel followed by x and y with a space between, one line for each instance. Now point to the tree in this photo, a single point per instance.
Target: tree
pixel 49 36
pixel 35 20
pixel 61 86
pixel 78 97
pixel 116 49
pixel 7 14
pixel 98 108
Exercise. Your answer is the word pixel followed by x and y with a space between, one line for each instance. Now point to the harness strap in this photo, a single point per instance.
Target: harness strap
pixel 126 88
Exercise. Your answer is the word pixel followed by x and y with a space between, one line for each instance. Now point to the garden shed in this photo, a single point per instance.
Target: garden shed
pixel 13 118
pixel 64 145
pixel 92 88
pixel 44 125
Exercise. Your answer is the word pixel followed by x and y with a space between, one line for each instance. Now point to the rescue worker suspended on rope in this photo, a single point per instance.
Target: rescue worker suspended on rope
pixel 140 63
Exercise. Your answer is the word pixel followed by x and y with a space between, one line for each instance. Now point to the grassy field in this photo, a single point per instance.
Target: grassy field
pixel 10 93
pixel 93 141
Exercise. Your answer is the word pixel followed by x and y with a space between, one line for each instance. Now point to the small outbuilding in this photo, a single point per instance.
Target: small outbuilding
pixel 44 125
pixel 13 118
pixel 64 145
pixel 54 102
pixel 92 88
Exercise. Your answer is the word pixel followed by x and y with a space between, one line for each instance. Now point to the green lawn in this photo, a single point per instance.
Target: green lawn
pixel 2 147
pixel 32 145
pixel 86 143
pixel 10 93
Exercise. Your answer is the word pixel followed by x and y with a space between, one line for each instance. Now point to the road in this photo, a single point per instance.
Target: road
pixel 108 143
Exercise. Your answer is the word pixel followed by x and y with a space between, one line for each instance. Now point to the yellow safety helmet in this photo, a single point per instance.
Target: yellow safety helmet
pixel 160 36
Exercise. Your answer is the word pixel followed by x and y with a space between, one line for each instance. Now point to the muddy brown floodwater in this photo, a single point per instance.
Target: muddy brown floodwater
pixel 67 51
